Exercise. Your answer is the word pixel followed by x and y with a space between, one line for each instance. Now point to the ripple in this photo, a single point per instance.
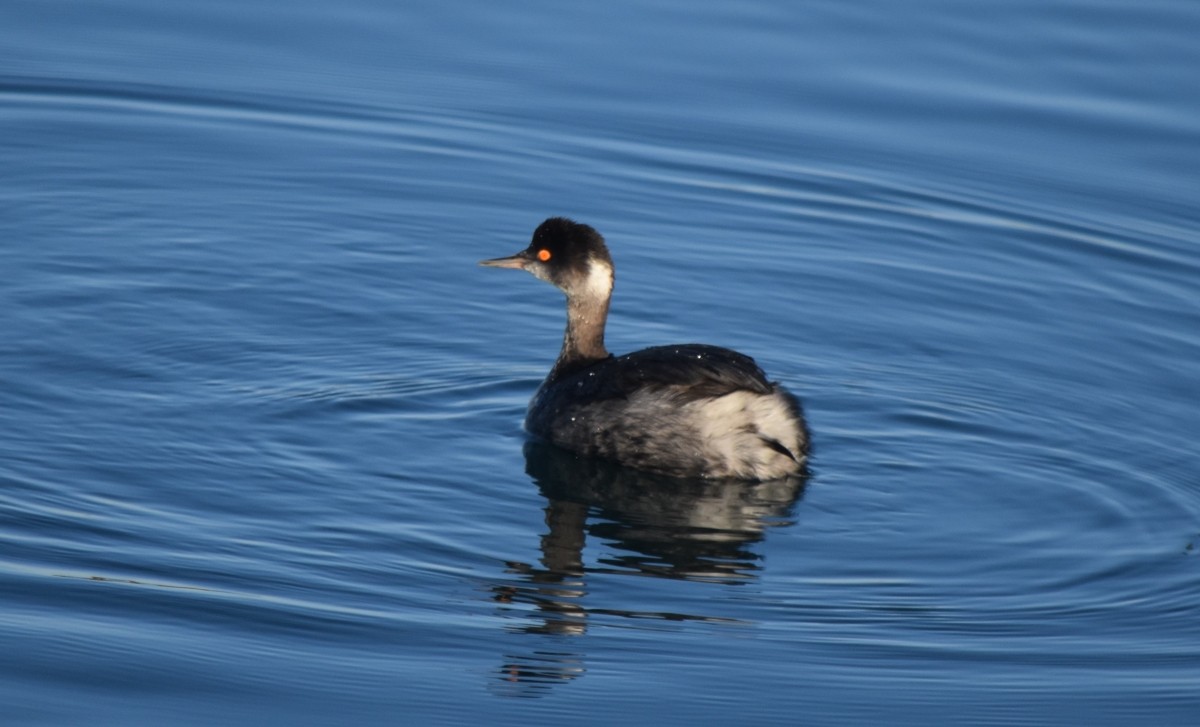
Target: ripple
pixel 308 113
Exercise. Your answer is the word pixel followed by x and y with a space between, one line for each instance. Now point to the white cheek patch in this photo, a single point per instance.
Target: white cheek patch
pixel 539 272
pixel 599 281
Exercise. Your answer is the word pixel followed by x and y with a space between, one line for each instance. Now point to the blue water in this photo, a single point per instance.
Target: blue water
pixel 260 448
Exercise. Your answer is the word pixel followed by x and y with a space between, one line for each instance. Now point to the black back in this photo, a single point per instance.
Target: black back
pixel 690 370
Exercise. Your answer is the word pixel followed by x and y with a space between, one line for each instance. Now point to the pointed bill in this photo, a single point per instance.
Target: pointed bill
pixel 518 261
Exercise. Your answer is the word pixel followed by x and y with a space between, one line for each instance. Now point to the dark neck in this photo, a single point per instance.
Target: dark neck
pixel 583 343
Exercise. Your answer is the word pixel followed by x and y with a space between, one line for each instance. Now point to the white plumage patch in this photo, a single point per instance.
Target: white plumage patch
pixel 599 281
pixel 734 428
pixel 744 434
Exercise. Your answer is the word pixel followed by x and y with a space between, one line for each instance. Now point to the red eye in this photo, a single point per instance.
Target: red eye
pixel 543 254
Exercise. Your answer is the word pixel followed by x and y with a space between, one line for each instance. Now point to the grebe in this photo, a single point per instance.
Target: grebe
pixel 688 410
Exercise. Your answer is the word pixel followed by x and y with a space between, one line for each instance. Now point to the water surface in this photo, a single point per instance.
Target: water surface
pixel 261 456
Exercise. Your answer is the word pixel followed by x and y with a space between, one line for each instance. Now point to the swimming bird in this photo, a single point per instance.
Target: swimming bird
pixel 686 410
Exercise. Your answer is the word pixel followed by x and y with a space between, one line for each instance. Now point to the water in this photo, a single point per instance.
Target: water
pixel 261 457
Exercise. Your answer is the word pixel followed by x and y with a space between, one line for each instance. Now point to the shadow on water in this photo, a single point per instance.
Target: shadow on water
pixel 694 530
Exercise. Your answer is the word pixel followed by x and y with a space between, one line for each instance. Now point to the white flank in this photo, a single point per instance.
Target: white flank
pixel 733 427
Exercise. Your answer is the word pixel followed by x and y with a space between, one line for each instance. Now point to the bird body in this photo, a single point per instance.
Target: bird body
pixel 687 410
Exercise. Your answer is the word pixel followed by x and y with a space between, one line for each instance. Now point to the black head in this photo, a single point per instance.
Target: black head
pixel 568 254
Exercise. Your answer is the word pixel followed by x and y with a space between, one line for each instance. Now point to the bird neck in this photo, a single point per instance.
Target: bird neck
pixel 588 296
pixel 583 342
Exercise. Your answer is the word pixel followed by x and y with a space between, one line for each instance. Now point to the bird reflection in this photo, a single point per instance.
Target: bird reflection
pixel 697 530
